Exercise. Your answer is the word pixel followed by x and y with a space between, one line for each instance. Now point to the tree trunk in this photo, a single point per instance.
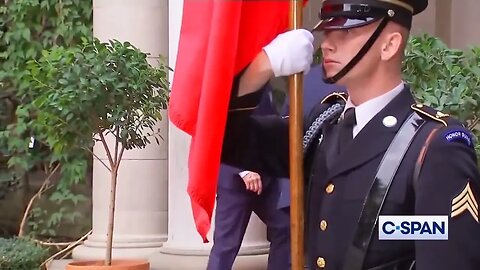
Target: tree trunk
pixel 111 215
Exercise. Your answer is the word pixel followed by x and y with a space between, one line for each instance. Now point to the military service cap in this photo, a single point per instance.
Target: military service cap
pixel 344 14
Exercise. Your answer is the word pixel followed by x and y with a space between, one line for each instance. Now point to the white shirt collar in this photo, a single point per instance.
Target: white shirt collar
pixel 367 110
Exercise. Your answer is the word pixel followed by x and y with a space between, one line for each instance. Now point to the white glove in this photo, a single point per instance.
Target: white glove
pixel 291 52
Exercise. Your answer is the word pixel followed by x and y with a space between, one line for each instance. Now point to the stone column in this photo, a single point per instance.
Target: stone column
pixel 184 248
pixel 443 20
pixel 465 22
pixel 426 21
pixel 141 208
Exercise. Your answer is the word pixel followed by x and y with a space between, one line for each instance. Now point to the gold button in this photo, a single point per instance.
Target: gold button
pixel 323 225
pixel 329 189
pixel 321 262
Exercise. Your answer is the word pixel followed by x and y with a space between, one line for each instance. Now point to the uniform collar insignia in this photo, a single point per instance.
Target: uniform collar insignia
pixel 441 115
pixel 465 201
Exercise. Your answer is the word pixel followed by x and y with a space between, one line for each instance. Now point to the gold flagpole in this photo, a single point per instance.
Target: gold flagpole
pixel 295 83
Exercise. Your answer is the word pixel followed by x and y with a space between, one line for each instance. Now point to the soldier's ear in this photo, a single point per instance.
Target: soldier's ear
pixel 392 44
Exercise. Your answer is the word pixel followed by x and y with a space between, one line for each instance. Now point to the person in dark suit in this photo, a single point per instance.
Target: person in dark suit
pixel 236 200
pixel 239 193
pixel 371 152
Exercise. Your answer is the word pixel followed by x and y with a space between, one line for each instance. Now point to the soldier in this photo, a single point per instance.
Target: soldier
pixel 374 151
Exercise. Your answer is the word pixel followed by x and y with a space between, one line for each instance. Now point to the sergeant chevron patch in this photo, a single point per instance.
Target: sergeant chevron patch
pixel 465 201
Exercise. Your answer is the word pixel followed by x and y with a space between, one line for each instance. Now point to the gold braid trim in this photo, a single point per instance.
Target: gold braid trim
pixel 399 3
pixel 336 95
pixel 419 108
pixel 243 109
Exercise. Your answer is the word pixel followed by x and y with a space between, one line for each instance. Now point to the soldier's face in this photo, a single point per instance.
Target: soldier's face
pixel 340 46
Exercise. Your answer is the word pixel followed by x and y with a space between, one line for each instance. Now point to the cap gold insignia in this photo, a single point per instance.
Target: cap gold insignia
pixel 465 201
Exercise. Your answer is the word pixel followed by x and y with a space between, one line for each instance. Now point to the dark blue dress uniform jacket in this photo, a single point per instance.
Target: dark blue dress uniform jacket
pixel 339 184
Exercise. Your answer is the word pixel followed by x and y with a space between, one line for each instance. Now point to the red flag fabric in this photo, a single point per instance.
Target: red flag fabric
pixel 217 40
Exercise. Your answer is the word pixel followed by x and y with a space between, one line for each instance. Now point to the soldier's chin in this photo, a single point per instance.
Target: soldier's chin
pixel 341 81
pixel 329 72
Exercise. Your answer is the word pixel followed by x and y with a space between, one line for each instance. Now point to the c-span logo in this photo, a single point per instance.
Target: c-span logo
pixel 413 228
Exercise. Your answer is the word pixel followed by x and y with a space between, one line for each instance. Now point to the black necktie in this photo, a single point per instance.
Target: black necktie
pixel 346 129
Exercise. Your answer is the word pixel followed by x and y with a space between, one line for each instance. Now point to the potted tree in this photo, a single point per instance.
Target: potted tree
pixel 92 92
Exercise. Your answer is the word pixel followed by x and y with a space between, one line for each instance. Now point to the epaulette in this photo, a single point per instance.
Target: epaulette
pixel 335 96
pixel 430 113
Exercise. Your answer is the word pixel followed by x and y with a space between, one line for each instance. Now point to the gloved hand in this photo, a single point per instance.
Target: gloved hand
pixel 291 52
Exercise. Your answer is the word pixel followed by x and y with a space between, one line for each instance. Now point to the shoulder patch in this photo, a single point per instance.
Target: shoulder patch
pixel 430 113
pixel 459 135
pixel 335 96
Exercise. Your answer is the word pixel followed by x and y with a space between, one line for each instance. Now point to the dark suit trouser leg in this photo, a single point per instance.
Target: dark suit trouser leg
pixel 232 214
pixel 278 228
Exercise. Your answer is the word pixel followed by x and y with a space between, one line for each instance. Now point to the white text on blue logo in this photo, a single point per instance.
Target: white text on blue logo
pixel 413 228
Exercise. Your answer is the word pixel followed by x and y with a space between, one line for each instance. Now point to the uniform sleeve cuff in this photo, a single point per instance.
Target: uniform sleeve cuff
pixel 246 102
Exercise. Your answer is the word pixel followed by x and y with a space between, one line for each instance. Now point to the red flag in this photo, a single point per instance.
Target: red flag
pixel 217 40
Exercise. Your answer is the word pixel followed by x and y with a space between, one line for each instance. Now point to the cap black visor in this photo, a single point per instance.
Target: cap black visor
pixel 344 16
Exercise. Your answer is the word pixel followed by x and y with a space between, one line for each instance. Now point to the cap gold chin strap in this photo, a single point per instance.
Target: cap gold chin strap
pixel 359 55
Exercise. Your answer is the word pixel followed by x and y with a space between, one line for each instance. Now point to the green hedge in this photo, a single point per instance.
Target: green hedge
pixel 21 254
pixel 446 79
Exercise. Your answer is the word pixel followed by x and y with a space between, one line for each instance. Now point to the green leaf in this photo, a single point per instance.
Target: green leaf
pixel 26 34
pixel 444 78
pixel 63 82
